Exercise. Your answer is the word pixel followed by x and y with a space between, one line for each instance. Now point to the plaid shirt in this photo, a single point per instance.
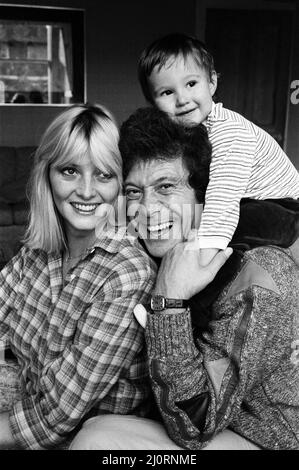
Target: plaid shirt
pixel 77 342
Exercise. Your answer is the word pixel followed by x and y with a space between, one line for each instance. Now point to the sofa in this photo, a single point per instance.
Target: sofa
pixel 15 167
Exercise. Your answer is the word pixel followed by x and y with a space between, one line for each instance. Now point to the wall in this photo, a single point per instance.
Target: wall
pixel 292 118
pixel 116 32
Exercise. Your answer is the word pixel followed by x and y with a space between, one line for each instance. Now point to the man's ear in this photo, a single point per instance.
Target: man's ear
pixel 213 83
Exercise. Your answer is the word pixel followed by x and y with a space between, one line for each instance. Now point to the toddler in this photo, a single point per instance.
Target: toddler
pixel 177 75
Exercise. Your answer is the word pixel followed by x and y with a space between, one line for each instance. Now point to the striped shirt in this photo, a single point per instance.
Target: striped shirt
pixel 77 342
pixel 246 162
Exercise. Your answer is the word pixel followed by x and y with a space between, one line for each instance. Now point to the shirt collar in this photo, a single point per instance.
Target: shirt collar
pixel 216 114
pixel 110 240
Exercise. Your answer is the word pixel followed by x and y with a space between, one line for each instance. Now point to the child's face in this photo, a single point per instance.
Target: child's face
pixel 183 89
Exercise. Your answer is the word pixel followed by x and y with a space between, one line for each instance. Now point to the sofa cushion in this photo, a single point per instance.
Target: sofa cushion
pixel 7 251
pixel 7 165
pixel 15 168
pixel 24 162
pixel 10 241
pixel 6 215
pixel 13 191
pixel 20 212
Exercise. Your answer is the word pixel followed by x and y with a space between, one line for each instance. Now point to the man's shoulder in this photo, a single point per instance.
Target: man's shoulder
pixel 269 267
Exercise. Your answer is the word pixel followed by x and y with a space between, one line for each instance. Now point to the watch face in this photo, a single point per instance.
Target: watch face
pixel 158 302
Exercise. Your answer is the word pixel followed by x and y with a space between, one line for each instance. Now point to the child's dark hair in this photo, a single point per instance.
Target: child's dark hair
pixel 149 134
pixel 172 45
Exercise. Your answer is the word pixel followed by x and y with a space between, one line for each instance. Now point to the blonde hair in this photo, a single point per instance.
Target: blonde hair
pixel 80 130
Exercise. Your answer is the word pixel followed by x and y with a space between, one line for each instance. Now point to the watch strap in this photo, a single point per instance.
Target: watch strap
pixel 159 303
pixel 176 303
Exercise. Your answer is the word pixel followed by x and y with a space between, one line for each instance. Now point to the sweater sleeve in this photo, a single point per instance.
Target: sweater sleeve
pixel 193 407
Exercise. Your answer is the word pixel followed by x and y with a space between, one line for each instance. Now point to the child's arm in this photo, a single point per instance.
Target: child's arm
pixel 230 172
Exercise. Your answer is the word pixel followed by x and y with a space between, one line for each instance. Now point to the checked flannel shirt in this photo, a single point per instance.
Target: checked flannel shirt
pixel 77 342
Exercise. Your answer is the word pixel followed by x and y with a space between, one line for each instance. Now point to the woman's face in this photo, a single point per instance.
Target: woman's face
pixel 79 190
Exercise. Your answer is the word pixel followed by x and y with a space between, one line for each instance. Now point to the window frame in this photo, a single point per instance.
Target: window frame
pixel 73 16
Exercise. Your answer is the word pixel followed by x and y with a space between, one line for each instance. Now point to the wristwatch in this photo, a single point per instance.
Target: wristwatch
pixel 159 303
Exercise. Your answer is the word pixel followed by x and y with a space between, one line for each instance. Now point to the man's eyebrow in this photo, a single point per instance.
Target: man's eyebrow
pixel 166 178
pixel 160 180
pixel 128 183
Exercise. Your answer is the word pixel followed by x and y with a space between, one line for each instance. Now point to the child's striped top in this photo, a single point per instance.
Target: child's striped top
pixel 246 162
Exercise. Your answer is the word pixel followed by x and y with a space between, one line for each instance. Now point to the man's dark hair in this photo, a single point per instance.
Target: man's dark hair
pixel 149 134
pixel 172 46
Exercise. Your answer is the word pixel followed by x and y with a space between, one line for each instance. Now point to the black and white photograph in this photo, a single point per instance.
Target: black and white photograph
pixel 149 230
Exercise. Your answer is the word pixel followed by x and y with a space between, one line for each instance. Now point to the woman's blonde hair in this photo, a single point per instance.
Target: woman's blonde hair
pixel 80 130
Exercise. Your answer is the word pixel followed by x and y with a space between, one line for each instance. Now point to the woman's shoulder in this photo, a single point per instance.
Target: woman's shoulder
pixel 25 257
pixel 21 255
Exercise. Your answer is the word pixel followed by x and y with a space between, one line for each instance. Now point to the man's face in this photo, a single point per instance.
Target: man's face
pixel 161 205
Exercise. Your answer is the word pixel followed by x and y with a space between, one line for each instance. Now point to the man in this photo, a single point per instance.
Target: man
pixel 223 353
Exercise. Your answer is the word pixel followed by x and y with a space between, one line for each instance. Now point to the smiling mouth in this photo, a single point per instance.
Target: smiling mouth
pixel 158 230
pixel 185 113
pixel 86 209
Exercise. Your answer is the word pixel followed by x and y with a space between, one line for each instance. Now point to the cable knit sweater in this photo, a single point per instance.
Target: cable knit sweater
pixel 244 374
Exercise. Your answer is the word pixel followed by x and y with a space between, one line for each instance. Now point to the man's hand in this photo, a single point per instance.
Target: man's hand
pixel 181 275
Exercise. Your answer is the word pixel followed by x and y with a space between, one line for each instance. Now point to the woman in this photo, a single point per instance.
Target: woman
pixel 67 298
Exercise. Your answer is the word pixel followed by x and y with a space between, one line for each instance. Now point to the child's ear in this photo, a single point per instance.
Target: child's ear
pixel 213 83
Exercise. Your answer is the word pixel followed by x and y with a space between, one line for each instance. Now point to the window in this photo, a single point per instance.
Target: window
pixel 41 55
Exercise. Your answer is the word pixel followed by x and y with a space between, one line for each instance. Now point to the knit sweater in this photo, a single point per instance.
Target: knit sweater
pixel 244 374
